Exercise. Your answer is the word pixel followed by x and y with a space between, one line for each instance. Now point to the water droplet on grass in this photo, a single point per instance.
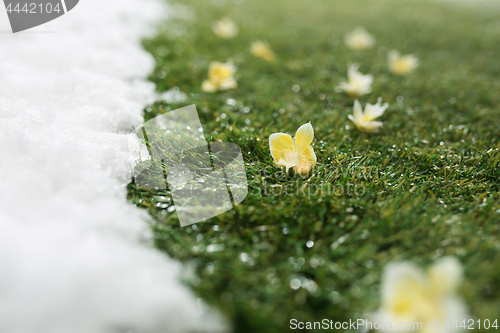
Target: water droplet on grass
pixel 244 256
pixel 382 51
pixel 334 297
pixel 313 262
pixel 295 284
pixel 215 248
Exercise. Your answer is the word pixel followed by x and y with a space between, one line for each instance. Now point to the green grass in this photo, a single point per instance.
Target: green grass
pixel 430 177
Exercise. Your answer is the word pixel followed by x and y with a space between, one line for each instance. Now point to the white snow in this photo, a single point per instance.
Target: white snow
pixel 74 255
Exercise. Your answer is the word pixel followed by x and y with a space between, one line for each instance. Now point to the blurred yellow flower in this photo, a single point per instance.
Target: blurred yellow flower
pixel 262 50
pixel 225 28
pixel 358 84
pixel 359 39
pixel 297 152
pixel 220 77
pixel 411 295
pixel 399 64
pixel 365 120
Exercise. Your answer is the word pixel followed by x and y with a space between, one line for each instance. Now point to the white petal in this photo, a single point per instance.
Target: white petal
pixel 454 309
pixel 393 55
pixel 343 86
pixel 403 281
pixel 352 71
pixel 358 111
pixel 445 275
pixel 357 123
pixel 208 86
pixel 375 111
pixel 371 126
pixel 229 83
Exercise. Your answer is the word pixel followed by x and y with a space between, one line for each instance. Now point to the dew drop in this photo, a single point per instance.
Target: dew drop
pixel 295 284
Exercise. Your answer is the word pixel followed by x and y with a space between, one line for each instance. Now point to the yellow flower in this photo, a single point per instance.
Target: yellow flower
pixel 411 295
pixel 262 50
pixel 399 64
pixel 359 39
pixel 358 84
pixel 365 120
pixel 225 28
pixel 297 152
pixel 220 77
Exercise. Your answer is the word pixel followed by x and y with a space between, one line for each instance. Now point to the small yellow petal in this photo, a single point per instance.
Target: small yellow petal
pixel 208 86
pixel 225 28
pixel 288 158
pixel 220 71
pixel 401 65
pixel 220 77
pixel 304 137
pixel 403 291
pixel 409 295
pixel 262 50
pixel 307 161
pixel 373 111
pixel 358 84
pixel 359 39
pixel 278 142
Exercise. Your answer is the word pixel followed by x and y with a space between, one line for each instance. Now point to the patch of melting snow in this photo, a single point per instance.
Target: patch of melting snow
pixel 74 255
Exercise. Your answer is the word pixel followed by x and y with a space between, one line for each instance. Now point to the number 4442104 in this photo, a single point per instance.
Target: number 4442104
pixel 33 8
pixel 470 324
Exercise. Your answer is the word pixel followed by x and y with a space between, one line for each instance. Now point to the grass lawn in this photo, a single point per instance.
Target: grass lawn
pixel 426 186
